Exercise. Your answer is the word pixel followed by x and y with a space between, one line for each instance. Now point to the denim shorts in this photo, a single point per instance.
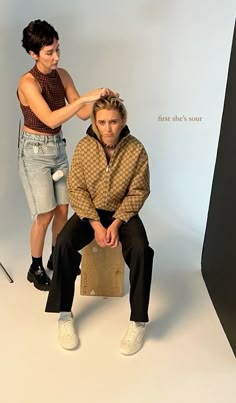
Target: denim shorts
pixel 39 157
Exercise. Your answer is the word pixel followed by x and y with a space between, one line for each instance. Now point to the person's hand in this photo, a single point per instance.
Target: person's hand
pixel 114 93
pixel 106 237
pixel 95 95
pixel 99 233
pixel 99 93
pixel 100 236
pixel 112 236
pixel 111 92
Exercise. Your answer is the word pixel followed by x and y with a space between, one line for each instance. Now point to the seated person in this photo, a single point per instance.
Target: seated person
pixel 108 183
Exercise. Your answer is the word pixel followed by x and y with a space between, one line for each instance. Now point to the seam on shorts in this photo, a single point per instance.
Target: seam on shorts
pixel 30 187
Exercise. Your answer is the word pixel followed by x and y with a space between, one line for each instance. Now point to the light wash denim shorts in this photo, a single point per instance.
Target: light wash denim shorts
pixel 39 157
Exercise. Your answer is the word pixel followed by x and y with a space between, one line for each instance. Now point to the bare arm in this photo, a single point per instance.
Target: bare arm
pixel 30 95
pixel 73 95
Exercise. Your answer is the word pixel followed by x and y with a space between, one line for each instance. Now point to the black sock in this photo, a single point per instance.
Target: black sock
pixel 36 262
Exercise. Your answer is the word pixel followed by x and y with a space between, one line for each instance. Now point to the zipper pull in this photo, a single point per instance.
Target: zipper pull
pixel 107 168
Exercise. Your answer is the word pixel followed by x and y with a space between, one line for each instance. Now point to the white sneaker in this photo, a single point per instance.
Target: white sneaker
pixel 134 338
pixel 67 336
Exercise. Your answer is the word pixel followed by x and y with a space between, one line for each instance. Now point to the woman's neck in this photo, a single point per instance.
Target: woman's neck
pixel 109 152
pixel 42 69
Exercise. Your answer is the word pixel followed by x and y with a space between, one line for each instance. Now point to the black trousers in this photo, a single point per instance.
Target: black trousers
pixel 136 251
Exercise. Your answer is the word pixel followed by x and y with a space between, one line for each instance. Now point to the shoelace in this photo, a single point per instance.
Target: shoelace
pixel 132 332
pixel 67 327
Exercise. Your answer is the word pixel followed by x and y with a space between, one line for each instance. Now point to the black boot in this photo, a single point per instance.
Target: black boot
pixel 39 278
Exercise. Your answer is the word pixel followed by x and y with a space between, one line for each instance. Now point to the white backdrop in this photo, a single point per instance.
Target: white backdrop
pixel 169 61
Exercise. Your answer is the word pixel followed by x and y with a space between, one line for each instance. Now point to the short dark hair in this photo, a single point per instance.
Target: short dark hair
pixel 38 34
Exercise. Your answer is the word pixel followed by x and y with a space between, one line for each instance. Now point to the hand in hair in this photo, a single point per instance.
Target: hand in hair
pixel 108 91
pixel 100 93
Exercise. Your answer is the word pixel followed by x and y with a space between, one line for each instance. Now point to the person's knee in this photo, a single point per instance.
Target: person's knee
pixel 139 244
pixel 141 251
pixel 66 254
pixel 67 239
pixel 44 219
pixel 61 212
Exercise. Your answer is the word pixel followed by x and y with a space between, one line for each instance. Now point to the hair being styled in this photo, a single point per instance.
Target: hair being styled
pixel 38 34
pixel 110 103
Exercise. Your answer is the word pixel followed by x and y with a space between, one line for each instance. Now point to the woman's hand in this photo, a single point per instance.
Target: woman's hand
pixel 98 93
pixel 110 92
pixel 99 233
pixel 112 237
pixel 106 237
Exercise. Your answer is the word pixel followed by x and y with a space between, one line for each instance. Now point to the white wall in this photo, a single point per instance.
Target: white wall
pixel 165 58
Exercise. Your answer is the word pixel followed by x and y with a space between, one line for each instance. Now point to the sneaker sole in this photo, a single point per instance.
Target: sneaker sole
pixel 41 287
pixel 132 352
pixel 69 347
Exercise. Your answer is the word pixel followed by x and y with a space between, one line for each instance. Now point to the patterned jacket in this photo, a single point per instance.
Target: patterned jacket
pixel 120 185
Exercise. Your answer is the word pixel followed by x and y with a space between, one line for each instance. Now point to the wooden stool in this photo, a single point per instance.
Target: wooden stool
pixel 102 271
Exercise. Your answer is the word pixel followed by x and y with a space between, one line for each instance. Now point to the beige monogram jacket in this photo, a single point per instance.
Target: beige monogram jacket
pixel 120 185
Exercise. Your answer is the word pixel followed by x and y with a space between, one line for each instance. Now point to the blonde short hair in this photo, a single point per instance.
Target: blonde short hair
pixel 110 103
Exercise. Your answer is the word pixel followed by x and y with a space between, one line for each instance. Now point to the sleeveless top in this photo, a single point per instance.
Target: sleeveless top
pixel 54 94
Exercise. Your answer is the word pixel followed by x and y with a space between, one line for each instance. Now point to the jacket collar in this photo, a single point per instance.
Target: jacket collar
pixel 124 132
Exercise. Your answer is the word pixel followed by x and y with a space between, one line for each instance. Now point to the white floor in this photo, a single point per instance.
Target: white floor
pixel 186 357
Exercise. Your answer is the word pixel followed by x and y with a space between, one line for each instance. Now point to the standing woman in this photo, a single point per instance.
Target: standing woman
pixel 42 93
